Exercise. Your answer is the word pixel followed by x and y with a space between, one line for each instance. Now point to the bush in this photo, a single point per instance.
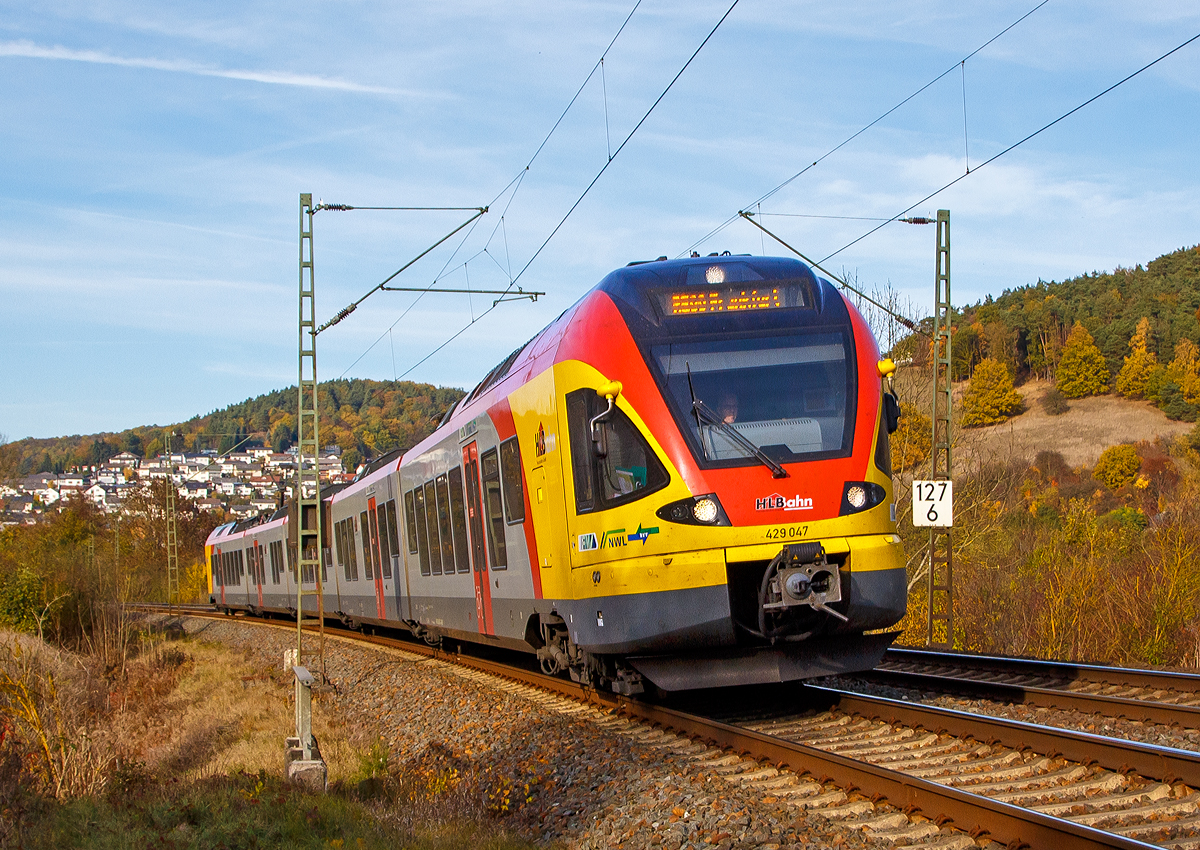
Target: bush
pixel 1082 371
pixel 911 443
pixel 1054 402
pixel 991 397
pixel 1117 466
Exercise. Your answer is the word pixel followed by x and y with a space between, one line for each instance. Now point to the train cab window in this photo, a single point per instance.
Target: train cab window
pixel 393 538
pixel 422 532
pixel 493 509
pixel 443 513
pixel 510 474
pixel 410 519
pixel 628 471
pixel 385 541
pixel 364 527
pixel 790 395
pixel 458 519
pixel 431 521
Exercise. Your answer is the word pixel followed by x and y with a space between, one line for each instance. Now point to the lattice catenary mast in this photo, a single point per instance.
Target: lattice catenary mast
pixel 941 550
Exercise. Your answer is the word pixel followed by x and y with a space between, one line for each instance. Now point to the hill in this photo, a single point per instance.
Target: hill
pixel 365 418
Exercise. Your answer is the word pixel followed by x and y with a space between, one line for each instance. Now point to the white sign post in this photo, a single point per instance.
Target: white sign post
pixel 933 504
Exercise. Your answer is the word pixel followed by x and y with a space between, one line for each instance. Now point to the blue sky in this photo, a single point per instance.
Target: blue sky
pixel 152 156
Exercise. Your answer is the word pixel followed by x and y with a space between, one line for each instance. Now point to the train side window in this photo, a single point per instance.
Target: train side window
pixel 393 537
pixel 510 474
pixel 493 510
pixel 431 521
pixel 444 524
pixel 422 533
pixel 276 557
pixel 410 519
pixel 385 542
pixel 339 550
pixel 212 566
pixel 630 469
pixel 348 533
pixel 458 519
pixel 365 532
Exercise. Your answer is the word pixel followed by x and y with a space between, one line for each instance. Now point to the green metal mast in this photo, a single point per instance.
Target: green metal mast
pixel 941 550
pixel 307 498
pixel 172 533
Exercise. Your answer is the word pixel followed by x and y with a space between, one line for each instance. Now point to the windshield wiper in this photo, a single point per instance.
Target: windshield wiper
pixel 702 411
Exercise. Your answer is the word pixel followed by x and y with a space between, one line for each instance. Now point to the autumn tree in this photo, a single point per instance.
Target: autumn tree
pixel 1131 380
pixel 1184 370
pixel 1082 370
pixel 913 440
pixel 990 397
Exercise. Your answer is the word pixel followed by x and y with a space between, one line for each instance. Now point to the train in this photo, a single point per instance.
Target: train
pixel 683 482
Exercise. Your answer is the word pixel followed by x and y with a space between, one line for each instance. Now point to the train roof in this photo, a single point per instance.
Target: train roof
pixel 634 284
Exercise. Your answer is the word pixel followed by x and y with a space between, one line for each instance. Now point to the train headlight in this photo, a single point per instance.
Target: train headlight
pixel 860 496
pixel 705 511
pixel 695 510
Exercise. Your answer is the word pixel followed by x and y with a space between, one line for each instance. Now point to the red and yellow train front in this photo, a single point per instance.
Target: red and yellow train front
pixel 710 479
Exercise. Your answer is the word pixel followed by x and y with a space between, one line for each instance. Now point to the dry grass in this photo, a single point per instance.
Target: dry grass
pixel 225 716
pixel 1079 435
pixel 183 747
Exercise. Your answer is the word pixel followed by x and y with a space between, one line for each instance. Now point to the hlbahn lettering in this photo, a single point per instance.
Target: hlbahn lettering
pixel 777 502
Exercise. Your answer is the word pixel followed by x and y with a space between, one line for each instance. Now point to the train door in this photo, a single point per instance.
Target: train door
pixel 374 556
pixel 258 561
pixel 220 567
pixel 479 562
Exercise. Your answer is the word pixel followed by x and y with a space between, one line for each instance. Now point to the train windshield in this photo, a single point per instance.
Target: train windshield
pixel 790 395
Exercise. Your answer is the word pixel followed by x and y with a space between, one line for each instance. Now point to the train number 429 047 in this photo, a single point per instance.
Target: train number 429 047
pixel 785 532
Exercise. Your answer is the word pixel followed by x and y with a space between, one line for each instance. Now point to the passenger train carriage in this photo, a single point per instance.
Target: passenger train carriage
pixel 684 480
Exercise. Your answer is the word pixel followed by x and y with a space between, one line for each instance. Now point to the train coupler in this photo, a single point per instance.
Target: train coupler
pixel 801 575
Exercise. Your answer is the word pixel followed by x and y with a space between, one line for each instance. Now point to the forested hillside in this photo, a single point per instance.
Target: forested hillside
pixel 366 418
pixel 1027 327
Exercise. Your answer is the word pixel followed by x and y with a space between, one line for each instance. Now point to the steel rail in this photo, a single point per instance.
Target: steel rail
pixel 1072 672
pixel 1165 764
pixel 1167 714
pixel 1002 822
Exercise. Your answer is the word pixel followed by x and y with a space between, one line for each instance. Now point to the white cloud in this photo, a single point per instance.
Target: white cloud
pixel 29 50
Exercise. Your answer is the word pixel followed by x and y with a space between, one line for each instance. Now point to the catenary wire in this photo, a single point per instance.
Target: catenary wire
pixel 855 135
pixel 514 185
pixel 585 192
pixel 1016 144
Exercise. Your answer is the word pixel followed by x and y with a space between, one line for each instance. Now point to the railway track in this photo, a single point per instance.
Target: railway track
pixel 919 775
pixel 1151 696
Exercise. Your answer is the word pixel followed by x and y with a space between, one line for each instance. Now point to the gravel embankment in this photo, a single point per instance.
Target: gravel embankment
pixel 590 787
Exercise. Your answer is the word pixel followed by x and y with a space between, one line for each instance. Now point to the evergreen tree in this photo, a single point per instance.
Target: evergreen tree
pixel 990 397
pixel 1082 370
pixel 1134 375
